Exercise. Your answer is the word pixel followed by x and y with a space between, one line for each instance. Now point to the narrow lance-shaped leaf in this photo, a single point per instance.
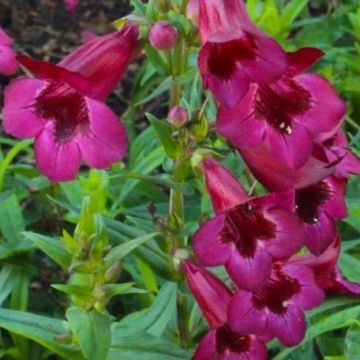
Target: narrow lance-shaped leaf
pixel 120 251
pixel 40 329
pixel 51 247
pixel 92 330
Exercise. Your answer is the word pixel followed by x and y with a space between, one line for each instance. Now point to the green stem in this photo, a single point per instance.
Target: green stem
pixel 10 157
pixel 185 338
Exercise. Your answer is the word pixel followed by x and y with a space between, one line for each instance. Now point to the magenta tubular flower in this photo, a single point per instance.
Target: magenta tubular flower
pixel 328 276
pixel 63 108
pixel 8 64
pixel 220 342
pixel 247 233
pixel 285 118
pixel 234 52
pixel 163 35
pixel 318 206
pixel 277 307
pixel 71 5
pixel 337 150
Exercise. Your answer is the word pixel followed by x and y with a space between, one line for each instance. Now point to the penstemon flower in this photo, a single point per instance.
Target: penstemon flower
pixel 8 64
pixel 318 206
pixel 235 52
pixel 277 307
pixel 63 108
pixel 247 233
pixel 328 276
pixel 221 342
pixel 286 117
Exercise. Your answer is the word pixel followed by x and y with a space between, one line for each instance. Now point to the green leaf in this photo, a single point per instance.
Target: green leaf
pixel 352 342
pixel 118 252
pixel 144 346
pixel 7 283
pixel 93 331
pixel 125 288
pixel 165 134
pixel 81 291
pixel 165 85
pixel 11 218
pixel 292 11
pixel 51 247
pixel 155 319
pixel 40 329
pixel 332 322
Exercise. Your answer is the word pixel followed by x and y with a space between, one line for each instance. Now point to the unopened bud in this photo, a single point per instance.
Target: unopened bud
pixel 192 11
pixel 178 116
pixel 163 35
pixel 113 272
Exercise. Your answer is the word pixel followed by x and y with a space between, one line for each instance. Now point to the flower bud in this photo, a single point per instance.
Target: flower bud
pixel 178 116
pixel 212 295
pixel 192 11
pixel 163 35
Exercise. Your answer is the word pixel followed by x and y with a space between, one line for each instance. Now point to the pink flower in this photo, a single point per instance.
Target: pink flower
pixel 246 234
pixel 285 118
pixel 337 150
pixel 8 64
pixel 71 5
pixel 328 276
pixel 221 342
pixel 163 35
pixel 234 52
pixel 64 110
pixel 318 206
pixel 277 176
pixel 277 307
pixel 331 156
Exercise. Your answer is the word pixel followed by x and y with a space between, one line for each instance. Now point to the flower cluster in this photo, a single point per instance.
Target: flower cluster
pixel 286 124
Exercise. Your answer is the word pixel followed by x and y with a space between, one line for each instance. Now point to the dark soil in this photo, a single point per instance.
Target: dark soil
pixel 44 29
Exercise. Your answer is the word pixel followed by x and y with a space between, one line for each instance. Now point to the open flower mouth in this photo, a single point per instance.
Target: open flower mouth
pixel 244 225
pixel 310 199
pixel 65 106
pixel 280 103
pixel 276 293
pixel 224 58
pixel 226 340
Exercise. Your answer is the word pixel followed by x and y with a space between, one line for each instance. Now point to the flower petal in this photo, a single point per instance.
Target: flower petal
pixel 289 234
pixel 304 58
pixel 239 125
pixel 5 39
pixel 223 187
pixel 106 141
pixel 249 272
pixel 207 347
pixel 327 108
pixel 289 327
pixel 292 150
pixel 58 161
pixel 208 245
pixel 310 294
pixel 20 120
pixel 8 63
pixel 244 317
pixel 229 89
pixel 320 234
